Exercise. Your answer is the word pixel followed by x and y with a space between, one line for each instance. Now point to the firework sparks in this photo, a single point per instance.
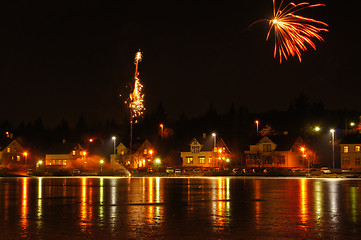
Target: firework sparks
pixel 293 32
pixel 136 98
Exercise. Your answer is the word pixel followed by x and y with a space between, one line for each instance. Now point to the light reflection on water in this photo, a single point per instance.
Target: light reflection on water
pixel 156 207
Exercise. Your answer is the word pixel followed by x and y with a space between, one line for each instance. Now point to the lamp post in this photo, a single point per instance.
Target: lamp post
pixel 38 164
pixel 308 160
pixel 332 131
pixel 157 163
pixel 214 141
pixel 114 140
pixel 25 158
pixel 161 130
pixel 101 165
pixel 257 122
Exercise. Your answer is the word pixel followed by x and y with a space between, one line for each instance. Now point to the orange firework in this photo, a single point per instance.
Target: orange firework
pixel 293 32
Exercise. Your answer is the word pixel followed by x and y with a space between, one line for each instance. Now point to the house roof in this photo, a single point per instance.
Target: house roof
pixel 351 139
pixel 62 148
pixel 5 142
pixel 207 143
pixel 284 142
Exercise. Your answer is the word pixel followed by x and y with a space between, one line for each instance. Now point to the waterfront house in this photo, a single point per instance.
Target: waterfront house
pixel 351 152
pixel 279 151
pixel 207 152
pixel 13 152
pixel 65 155
pixel 143 157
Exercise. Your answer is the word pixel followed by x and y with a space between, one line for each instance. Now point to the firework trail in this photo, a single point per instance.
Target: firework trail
pixel 293 32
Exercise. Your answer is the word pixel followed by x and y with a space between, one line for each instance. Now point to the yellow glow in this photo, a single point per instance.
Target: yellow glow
pixel 317 129
pixel 101 161
pixel 274 21
pixel 25 154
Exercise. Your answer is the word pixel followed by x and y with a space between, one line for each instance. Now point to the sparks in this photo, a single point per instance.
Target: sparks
pixel 293 32
pixel 136 98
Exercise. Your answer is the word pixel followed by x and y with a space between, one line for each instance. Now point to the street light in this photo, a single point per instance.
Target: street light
pixel 214 141
pixel 161 130
pixel 308 160
pixel 101 165
pixel 332 131
pixel 38 164
pixel 25 157
pixel 257 122
pixel 114 140
pixel 317 129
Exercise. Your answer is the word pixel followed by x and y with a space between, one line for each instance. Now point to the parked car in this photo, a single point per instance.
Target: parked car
pixel 236 170
pixel 177 171
pixel 325 170
pixel 150 170
pixel 76 171
pixel 30 172
pixel 169 170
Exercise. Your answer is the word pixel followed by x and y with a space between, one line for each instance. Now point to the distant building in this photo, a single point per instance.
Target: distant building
pixel 13 152
pixel 120 156
pixel 206 154
pixel 143 157
pixel 279 151
pixel 351 152
pixel 65 155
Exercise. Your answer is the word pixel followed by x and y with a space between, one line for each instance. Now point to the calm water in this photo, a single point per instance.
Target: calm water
pixel 179 208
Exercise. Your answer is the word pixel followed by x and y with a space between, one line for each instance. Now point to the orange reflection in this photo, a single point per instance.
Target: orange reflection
pixel 257 198
pixel 153 210
pixel 85 213
pixel 40 202
pixel 6 201
pixel 24 206
pixel 303 201
pixel 221 204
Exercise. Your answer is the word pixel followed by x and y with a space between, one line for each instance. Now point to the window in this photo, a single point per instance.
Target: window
pixel 18 158
pixel 8 150
pixel 346 161
pixel 266 147
pixel 209 159
pixel 195 149
pixel 202 160
pixel 358 161
pixel 73 152
pixel 345 149
pixel 357 148
pixel 189 160
pixel 145 151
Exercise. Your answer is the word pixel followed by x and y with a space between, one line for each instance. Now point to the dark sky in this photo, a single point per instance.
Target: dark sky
pixel 60 60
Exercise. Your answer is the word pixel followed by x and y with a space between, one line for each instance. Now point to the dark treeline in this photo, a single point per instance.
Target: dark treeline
pixel 236 127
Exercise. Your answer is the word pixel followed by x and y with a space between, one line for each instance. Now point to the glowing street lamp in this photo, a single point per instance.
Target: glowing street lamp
pixel 317 129
pixel 25 157
pixel 257 122
pixel 101 165
pixel 157 162
pixel 308 160
pixel 38 164
pixel 214 141
pixel 332 131
pixel 114 140
pixel 161 130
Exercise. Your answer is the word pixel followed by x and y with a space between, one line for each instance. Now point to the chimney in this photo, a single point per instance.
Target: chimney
pixel 204 135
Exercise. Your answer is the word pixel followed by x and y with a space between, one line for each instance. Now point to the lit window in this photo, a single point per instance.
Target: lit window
pixel 189 160
pixel 9 150
pixel 202 160
pixel 345 149
pixel 145 151
pixel 73 152
pixel 64 162
pixel 209 159
pixel 357 148
pixel 18 158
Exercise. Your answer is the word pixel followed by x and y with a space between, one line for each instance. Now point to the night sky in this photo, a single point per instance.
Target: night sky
pixel 62 60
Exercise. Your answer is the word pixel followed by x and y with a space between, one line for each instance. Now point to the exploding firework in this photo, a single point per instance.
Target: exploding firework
pixel 136 98
pixel 293 32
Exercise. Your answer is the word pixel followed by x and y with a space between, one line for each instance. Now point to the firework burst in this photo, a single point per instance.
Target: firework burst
pixel 136 98
pixel 293 32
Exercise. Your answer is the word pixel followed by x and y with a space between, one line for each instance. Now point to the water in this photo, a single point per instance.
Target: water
pixel 179 208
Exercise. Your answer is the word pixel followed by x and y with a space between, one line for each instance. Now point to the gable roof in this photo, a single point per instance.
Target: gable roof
pixel 7 141
pixel 283 142
pixel 351 139
pixel 63 148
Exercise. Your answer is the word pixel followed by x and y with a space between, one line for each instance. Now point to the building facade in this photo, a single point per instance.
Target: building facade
pixel 13 152
pixel 66 155
pixel 279 151
pixel 206 154
pixel 351 152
